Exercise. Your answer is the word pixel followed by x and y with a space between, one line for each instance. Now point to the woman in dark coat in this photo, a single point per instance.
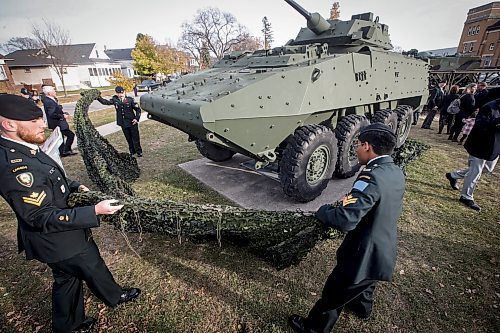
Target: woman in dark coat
pixel 467 107
pixel 444 117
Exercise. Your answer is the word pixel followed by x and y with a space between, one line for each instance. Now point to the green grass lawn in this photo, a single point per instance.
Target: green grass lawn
pixel 447 276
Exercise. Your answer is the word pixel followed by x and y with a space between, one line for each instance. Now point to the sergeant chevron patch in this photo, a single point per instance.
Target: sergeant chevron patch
pixel 349 200
pixel 35 199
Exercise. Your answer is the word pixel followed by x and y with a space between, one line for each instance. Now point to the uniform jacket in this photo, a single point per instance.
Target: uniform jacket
pixel 467 105
pixel 368 214
pixel 36 189
pixel 484 139
pixel 55 114
pixel 436 98
pixel 481 98
pixel 126 111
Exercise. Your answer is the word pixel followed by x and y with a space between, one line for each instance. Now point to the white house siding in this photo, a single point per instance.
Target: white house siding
pixel 35 77
pixel 103 71
pixel 71 79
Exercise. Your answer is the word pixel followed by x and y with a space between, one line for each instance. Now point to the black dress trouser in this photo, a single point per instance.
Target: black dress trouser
pixel 67 289
pixel 337 294
pixel 132 136
pixel 66 145
pixel 429 119
pixel 457 126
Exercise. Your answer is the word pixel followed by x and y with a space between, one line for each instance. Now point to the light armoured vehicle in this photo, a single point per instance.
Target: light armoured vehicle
pixel 298 107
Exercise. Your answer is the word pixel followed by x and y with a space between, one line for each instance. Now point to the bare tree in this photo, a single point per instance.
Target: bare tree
pixel 20 43
pixel 219 31
pixel 53 42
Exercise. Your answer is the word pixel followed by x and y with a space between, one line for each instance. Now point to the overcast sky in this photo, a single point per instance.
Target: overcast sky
pixel 424 24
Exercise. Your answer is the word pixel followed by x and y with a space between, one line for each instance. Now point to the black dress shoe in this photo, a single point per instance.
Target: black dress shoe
pixel 85 327
pixel 453 181
pixel 470 203
pixel 129 294
pixel 297 323
pixel 68 153
pixel 139 154
pixel 358 311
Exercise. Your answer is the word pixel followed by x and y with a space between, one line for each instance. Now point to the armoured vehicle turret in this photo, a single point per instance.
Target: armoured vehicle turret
pixel 300 106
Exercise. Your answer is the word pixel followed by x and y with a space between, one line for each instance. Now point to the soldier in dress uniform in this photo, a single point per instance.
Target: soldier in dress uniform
pixel 128 114
pixel 37 189
pixel 368 253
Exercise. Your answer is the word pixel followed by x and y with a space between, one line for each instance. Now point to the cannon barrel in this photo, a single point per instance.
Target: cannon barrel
pixel 315 22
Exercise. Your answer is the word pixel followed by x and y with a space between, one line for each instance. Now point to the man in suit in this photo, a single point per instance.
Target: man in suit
pixel 128 114
pixel 368 253
pixel 37 189
pixel 483 146
pixel 56 117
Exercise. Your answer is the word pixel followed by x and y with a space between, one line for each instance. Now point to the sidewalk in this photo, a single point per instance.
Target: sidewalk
pixel 110 128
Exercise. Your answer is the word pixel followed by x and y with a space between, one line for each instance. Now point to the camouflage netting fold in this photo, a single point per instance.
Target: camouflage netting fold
pixel 282 238
pixel 99 155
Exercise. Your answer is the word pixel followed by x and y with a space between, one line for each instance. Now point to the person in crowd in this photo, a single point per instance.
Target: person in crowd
pixel 434 103
pixel 36 189
pixel 368 252
pixel 26 94
pixel 56 117
pixel 467 107
pixel 468 125
pixel 445 118
pixel 128 114
pixel 483 146
pixel 481 95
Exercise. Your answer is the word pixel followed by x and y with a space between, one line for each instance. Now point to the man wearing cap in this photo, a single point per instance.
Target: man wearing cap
pixel 368 214
pixel 37 189
pixel 128 114
pixel 56 117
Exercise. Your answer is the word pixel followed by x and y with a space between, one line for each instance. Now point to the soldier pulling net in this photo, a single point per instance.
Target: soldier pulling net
pixel 282 238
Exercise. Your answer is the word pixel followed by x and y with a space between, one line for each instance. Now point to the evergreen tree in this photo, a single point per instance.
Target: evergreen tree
pixel 268 33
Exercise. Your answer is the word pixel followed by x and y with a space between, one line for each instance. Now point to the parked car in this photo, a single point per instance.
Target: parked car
pixel 148 85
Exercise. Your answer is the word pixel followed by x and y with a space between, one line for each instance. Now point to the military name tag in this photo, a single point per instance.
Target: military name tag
pixel 19 168
pixel 25 179
pixel 17 160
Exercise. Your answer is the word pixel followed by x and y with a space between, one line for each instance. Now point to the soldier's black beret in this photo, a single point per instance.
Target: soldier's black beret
pixel 377 127
pixel 18 108
pixel 119 89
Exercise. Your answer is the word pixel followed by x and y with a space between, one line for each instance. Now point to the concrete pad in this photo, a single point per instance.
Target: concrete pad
pixel 254 190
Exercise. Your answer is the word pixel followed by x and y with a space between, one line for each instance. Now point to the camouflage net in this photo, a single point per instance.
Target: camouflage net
pixel 282 238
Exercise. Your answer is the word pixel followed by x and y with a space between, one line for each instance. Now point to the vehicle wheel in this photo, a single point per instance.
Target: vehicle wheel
pixel 213 152
pixel 347 132
pixel 388 117
pixel 405 118
pixel 308 162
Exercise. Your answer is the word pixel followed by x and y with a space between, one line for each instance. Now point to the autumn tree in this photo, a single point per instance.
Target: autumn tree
pixel 217 31
pixel 120 79
pixel 53 41
pixel 250 43
pixel 267 32
pixel 169 59
pixel 145 55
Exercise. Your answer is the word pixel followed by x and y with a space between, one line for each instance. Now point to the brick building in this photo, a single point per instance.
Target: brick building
pixel 481 34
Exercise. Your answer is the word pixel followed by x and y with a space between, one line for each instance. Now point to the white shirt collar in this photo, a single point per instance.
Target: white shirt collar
pixel 376 158
pixel 29 145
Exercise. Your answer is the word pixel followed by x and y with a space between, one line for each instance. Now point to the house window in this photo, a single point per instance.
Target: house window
pixel 477 30
pixel 27 70
pixel 487 62
pixel 471 47
pixel 3 76
pixel 65 70
pixel 100 71
pixel 492 46
pixel 91 72
pixel 95 71
pixel 96 54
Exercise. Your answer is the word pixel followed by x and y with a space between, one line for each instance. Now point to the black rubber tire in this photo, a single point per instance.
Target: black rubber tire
pixel 213 152
pixel 405 119
pixel 293 165
pixel 347 132
pixel 388 117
